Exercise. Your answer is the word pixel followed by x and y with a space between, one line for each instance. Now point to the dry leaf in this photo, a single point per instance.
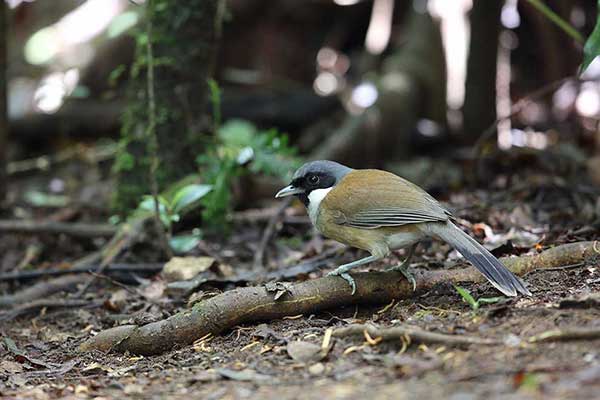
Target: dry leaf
pixel 185 268
pixel 11 367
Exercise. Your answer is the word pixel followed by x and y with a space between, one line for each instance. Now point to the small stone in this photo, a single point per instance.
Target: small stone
pixel 304 352
pixel 316 369
pixel 512 340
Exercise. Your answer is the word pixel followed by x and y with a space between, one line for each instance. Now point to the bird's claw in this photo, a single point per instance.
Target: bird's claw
pixel 411 279
pixel 404 270
pixel 346 276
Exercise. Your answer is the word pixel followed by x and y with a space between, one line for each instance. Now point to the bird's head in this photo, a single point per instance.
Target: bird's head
pixel 314 176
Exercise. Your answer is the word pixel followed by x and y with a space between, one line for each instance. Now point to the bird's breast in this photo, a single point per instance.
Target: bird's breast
pixel 315 198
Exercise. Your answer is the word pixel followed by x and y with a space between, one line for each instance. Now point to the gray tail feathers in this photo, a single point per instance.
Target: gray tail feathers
pixel 495 272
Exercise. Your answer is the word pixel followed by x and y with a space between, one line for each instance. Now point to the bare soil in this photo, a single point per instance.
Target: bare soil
pixel 254 361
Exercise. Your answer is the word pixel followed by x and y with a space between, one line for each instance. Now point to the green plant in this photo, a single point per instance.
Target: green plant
pixel 591 49
pixel 170 210
pixel 475 304
pixel 556 19
pixel 239 148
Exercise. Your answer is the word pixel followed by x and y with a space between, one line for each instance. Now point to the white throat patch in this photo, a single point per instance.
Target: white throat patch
pixel 314 201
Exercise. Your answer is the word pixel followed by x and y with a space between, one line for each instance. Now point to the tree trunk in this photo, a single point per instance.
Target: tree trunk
pixel 184 39
pixel 412 85
pixel 3 102
pixel 479 110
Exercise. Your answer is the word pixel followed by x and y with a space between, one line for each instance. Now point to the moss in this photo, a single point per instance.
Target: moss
pixel 183 38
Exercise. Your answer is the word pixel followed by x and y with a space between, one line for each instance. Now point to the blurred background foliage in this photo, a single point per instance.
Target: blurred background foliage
pixel 245 89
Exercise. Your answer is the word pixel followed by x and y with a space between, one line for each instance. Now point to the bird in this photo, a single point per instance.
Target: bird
pixel 379 211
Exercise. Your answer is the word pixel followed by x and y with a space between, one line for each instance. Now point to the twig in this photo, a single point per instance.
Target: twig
pixel 572 266
pixel 113 282
pixel 268 232
pixel 517 108
pixel 128 232
pixel 249 304
pixel 561 268
pixel 46 288
pixel 42 289
pixel 98 154
pixel 109 269
pixel 560 335
pixel 131 290
pixel 78 229
pixel 557 20
pixel 414 333
pixel 35 305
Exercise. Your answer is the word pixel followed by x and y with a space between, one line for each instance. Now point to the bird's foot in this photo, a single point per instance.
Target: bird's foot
pixel 343 273
pixel 403 268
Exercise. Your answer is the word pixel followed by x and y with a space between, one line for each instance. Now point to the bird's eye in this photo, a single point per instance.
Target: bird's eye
pixel 313 179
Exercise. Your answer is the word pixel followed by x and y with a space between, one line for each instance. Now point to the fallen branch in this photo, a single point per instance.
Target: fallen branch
pixel 111 269
pixel 36 305
pixel 413 333
pixel 251 304
pixel 42 290
pixel 268 233
pixel 77 229
pixel 44 163
pixel 124 237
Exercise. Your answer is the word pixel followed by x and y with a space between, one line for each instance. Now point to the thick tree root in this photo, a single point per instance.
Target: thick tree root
pixel 250 304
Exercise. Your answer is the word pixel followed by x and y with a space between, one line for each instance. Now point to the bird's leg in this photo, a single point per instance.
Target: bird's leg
pixel 403 268
pixel 342 270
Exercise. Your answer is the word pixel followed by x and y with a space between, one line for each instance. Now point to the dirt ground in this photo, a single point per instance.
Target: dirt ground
pixel 39 355
pixel 252 361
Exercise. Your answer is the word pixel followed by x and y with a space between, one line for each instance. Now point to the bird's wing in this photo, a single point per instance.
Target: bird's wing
pixel 370 199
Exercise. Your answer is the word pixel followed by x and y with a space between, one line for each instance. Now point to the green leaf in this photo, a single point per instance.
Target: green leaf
pixel 466 295
pixel 591 50
pixel 147 204
pixel 237 133
pixel 41 199
pixel 146 207
pixel 184 243
pixel 240 148
pixel 188 195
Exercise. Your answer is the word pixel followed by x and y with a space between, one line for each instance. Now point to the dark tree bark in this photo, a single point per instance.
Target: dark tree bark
pixel 3 96
pixel 479 110
pixel 184 39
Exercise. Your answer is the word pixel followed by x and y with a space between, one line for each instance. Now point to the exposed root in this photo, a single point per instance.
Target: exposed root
pixel 410 333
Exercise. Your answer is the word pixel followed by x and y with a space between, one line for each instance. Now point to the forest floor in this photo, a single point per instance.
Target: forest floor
pixel 276 359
